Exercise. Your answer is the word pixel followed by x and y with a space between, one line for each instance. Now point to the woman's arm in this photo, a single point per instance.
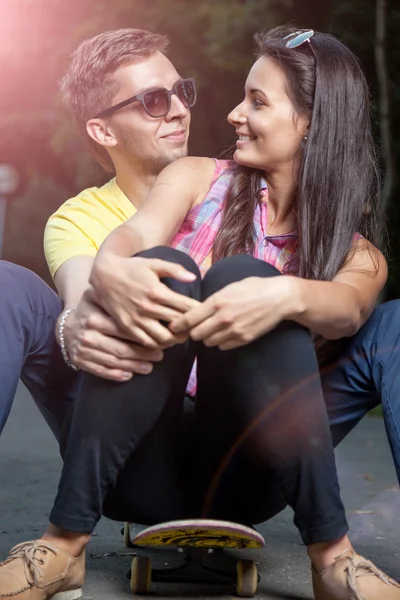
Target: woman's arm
pixel 129 289
pixel 158 219
pixel 338 308
pixel 243 311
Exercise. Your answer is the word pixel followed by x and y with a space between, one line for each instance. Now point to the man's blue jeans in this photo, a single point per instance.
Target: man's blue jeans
pixel 368 374
pixel 28 348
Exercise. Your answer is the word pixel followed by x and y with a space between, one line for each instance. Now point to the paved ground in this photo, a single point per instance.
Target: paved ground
pixel 29 468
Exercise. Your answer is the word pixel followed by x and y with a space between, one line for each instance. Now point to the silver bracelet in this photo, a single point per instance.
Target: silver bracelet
pixel 64 316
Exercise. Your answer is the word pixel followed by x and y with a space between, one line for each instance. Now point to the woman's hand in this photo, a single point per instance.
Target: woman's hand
pixel 239 313
pixel 130 290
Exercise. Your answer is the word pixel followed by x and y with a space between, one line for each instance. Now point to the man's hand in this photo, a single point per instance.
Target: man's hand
pixel 95 343
pixel 239 313
pixel 130 290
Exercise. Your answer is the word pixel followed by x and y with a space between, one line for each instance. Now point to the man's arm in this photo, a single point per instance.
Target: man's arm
pixel 93 341
pixel 72 279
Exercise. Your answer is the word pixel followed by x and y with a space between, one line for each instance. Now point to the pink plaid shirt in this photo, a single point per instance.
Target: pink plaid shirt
pixel 200 227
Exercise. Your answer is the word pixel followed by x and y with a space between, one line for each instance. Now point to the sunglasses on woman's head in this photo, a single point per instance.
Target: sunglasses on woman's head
pixel 157 101
pixel 296 39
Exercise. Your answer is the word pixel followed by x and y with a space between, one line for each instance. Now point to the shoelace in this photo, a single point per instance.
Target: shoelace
pixel 358 568
pixel 29 553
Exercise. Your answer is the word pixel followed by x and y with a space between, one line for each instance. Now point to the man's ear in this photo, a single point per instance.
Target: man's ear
pixel 101 132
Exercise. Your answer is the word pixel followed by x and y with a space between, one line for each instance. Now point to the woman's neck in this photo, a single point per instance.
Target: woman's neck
pixel 281 203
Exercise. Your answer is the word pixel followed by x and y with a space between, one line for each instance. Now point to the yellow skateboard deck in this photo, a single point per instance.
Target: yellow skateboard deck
pixel 205 533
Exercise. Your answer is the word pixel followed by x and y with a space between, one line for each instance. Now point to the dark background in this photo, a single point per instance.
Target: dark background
pixel 210 40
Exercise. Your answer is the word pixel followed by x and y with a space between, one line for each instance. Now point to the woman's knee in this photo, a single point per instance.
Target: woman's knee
pixel 166 253
pixel 171 255
pixel 235 268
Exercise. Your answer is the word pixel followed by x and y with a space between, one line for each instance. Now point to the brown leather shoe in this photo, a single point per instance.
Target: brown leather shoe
pixel 39 571
pixel 352 577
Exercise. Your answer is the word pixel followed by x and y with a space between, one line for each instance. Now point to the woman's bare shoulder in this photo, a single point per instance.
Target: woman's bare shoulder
pixel 191 176
pixel 198 167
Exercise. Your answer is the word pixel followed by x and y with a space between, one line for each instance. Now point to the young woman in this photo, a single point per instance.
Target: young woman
pixel 280 242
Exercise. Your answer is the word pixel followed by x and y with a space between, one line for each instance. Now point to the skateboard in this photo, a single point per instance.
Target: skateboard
pixel 196 539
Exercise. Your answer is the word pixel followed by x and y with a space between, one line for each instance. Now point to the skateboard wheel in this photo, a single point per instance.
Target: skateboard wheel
pixel 141 575
pixel 247 578
pixel 127 536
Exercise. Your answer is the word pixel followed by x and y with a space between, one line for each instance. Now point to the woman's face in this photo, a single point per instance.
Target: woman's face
pixel 269 130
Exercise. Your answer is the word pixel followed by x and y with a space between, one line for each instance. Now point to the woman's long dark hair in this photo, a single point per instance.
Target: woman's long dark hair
pixel 338 179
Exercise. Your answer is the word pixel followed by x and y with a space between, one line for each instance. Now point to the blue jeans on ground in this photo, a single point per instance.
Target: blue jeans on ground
pixel 28 349
pixel 367 374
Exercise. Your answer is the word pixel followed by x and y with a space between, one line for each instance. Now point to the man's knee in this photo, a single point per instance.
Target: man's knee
pixel 13 279
pixel 16 283
pixel 235 268
pixel 389 310
pixel 383 326
pixel 19 284
pixel 26 303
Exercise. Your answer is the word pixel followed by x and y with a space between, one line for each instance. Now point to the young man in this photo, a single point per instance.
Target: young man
pixel 138 149
pixel 110 68
pixel 139 130
pixel 114 67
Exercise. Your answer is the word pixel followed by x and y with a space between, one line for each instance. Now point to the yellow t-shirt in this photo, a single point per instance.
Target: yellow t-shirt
pixel 81 224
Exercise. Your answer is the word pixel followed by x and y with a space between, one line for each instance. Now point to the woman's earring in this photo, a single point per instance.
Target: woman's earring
pixel 305 138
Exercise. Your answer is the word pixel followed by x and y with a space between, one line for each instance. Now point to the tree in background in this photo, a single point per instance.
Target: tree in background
pixel 384 102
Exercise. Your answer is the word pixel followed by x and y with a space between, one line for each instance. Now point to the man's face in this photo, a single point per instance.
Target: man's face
pixel 148 143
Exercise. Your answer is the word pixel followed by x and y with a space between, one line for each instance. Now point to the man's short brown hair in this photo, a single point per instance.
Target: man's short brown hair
pixel 89 85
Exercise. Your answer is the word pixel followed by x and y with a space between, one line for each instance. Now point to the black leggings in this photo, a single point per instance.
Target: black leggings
pixel 258 437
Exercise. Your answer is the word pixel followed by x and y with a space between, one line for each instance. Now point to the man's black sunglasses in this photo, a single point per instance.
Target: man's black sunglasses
pixel 157 101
